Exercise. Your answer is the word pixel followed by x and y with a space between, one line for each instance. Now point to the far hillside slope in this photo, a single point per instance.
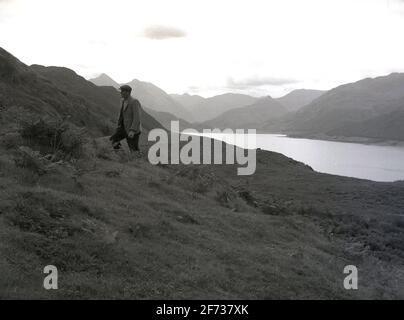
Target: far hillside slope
pixel 297 99
pixel 214 106
pixel 388 126
pixel 166 118
pixel 187 100
pixel 249 117
pixel 344 105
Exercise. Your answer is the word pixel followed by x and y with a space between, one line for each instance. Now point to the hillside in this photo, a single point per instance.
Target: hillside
pixel 297 99
pixel 214 106
pixel 384 127
pixel 249 117
pixel 69 81
pixel 24 94
pixel 119 229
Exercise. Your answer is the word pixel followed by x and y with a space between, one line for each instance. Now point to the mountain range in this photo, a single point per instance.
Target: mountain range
pixel 366 108
pixel 369 108
pixel 196 111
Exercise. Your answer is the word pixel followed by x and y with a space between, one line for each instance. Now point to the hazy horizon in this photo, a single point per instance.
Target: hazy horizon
pixel 209 48
pixel 206 96
pixel 254 95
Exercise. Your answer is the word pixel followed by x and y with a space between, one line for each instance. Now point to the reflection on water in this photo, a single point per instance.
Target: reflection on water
pixel 378 163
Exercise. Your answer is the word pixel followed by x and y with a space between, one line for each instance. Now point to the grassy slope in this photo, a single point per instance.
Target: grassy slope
pixel 119 229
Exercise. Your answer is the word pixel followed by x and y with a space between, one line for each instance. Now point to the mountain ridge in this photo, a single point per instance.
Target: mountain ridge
pixel 298 98
pixel 251 116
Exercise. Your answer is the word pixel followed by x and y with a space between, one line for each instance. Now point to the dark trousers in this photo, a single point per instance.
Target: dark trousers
pixel 120 134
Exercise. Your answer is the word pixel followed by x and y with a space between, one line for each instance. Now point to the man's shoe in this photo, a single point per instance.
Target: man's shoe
pixel 116 145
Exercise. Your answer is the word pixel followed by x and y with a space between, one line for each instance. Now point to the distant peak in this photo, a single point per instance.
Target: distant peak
pixel 104 80
pixel 265 98
pixel 103 76
pixel 137 81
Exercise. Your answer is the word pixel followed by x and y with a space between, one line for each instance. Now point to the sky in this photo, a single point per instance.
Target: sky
pixel 209 47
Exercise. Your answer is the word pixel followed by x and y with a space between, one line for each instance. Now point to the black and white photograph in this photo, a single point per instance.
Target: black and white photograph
pixel 213 152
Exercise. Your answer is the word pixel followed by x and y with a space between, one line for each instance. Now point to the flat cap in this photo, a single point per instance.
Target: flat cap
pixel 125 87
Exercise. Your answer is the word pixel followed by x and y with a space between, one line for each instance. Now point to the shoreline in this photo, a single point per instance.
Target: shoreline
pixel 359 140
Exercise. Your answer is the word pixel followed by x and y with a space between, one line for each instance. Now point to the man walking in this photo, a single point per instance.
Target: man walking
pixel 129 123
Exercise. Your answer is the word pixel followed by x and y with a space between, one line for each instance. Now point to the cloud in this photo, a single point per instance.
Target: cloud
pixel 159 32
pixel 256 81
pixel 193 89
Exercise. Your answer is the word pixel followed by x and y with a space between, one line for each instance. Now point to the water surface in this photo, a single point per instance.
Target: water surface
pixel 373 162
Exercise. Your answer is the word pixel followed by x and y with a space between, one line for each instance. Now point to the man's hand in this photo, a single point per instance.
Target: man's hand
pixel 132 134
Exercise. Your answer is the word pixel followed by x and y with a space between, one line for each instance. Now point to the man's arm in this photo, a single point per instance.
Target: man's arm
pixel 119 123
pixel 120 119
pixel 136 114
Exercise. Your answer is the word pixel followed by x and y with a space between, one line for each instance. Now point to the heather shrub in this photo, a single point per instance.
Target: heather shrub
pixel 54 137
